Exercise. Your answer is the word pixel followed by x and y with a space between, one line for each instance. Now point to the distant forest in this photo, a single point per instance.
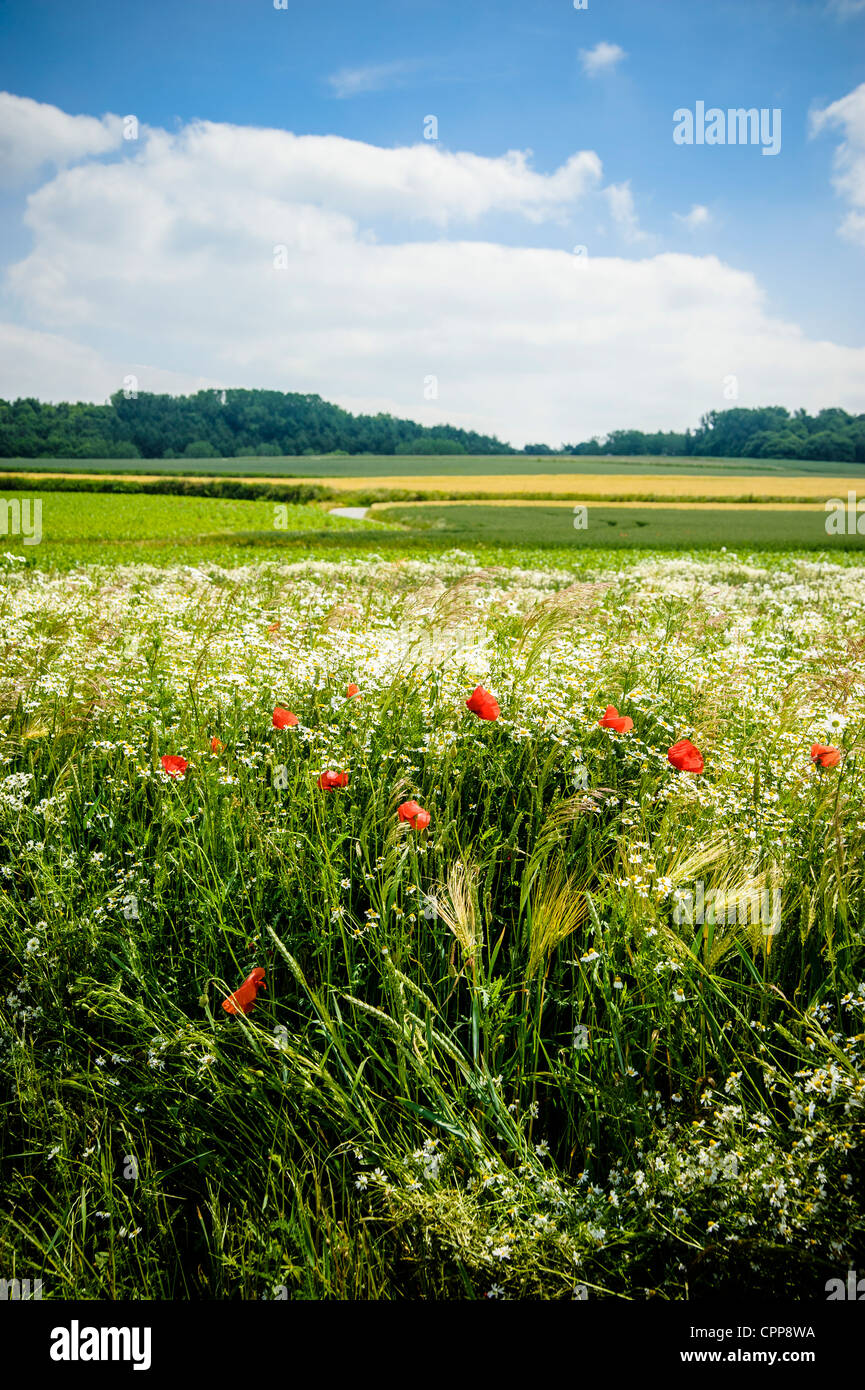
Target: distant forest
pixel 765 432
pixel 219 424
pixel 241 423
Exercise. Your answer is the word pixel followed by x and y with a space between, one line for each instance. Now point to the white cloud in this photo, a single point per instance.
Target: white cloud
pixel 699 216
pixel 33 134
pixel 620 200
pixel 848 115
pixel 847 8
pixel 278 169
pixel 167 259
pixel 350 82
pixel 602 58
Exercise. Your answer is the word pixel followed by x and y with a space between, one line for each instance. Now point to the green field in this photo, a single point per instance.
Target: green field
pixel 480 465
pixel 625 527
pixel 68 516
pixel 113 527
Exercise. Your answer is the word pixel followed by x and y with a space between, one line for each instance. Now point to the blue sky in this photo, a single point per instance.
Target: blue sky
pixel 498 77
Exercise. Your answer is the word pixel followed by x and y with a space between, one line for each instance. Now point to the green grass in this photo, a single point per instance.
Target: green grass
pixel 490 1058
pixel 70 516
pixel 111 528
pixel 79 526
pixel 654 528
pixel 412 466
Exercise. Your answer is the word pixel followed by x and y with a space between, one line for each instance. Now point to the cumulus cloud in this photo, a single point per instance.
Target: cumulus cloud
pixel 848 115
pixel 699 216
pixel 226 256
pixel 602 58
pixel 420 182
pixel 33 134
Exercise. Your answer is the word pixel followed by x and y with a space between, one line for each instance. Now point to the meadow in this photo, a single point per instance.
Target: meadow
pixel 495 1056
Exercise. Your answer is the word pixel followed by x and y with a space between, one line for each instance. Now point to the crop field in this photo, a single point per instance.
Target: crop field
pixel 655 526
pixel 69 516
pixel 106 526
pixel 593 1023
pixel 409 469
pixel 80 527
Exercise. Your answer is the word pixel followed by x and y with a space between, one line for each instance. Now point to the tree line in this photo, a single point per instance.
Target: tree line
pixel 770 432
pixel 246 423
pixel 219 424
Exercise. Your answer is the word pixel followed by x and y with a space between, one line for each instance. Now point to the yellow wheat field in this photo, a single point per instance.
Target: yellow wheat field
pixel 570 487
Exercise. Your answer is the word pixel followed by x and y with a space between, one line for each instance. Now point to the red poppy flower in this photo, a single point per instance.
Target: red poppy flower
pixel 620 723
pixel 685 756
pixel 414 814
pixel 216 745
pixel 329 781
pixel 351 692
pixel 173 764
pixel 243 999
pixel 483 704
pixel 825 755
pixel 284 719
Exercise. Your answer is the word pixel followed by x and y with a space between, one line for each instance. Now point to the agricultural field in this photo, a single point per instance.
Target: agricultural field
pixel 109 526
pixel 766 526
pixel 77 527
pixel 408 469
pixel 546 1007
